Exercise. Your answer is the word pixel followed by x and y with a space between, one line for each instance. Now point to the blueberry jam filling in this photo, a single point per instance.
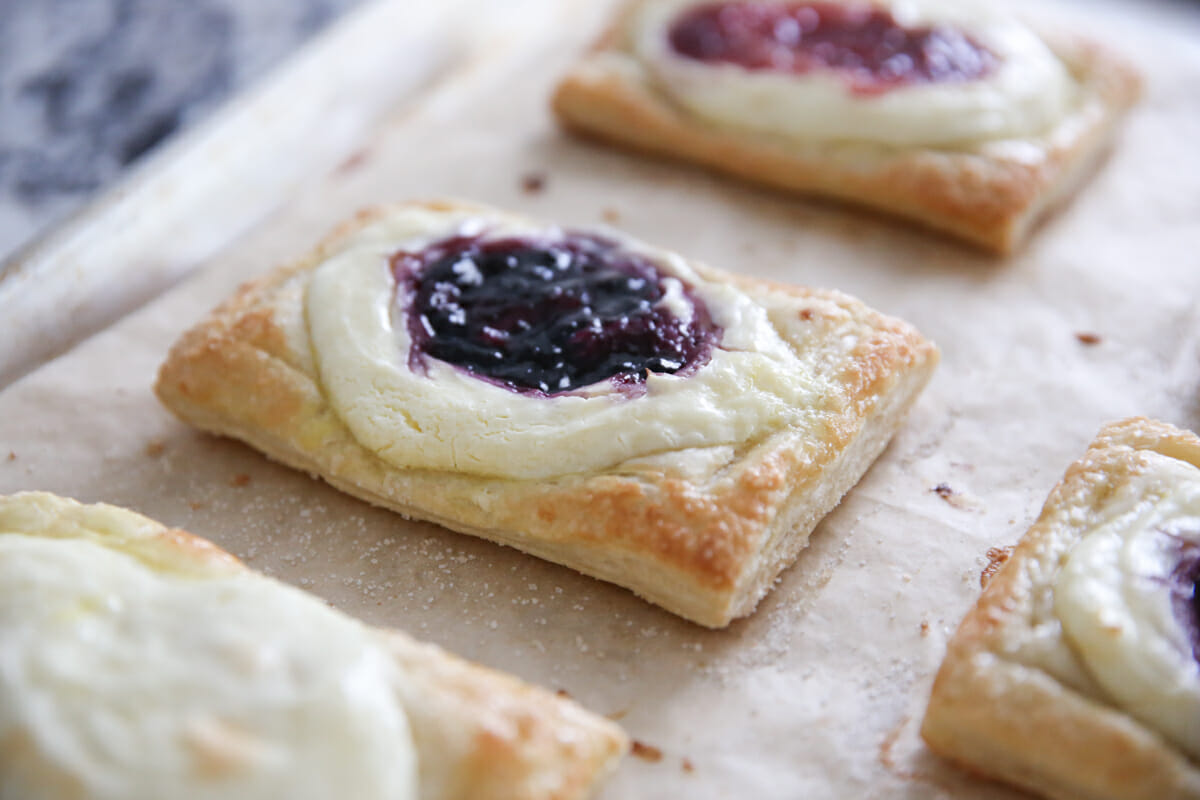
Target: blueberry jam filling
pixel 549 315
pixel 1185 600
pixel 861 42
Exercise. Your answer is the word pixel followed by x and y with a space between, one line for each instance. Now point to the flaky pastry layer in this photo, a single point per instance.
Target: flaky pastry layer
pixel 478 734
pixel 991 194
pixel 1012 699
pixel 701 531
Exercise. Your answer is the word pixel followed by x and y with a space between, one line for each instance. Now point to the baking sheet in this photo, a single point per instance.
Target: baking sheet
pixel 188 200
pixel 819 693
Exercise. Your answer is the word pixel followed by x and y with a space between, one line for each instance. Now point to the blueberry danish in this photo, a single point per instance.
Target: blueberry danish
pixel 577 395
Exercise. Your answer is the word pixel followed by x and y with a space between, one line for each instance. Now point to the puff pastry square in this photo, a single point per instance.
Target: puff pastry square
pixel 695 493
pixel 142 662
pixel 1075 675
pixel 930 155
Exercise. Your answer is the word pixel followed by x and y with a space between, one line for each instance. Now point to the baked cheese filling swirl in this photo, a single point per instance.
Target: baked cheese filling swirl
pixel 136 682
pixel 968 73
pixel 1125 596
pixel 416 411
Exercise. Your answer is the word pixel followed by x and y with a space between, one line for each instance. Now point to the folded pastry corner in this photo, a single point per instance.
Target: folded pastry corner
pixel 1075 675
pixel 143 662
pixel 578 395
pixel 952 115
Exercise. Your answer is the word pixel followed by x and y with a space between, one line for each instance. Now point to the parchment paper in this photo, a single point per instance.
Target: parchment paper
pixel 818 694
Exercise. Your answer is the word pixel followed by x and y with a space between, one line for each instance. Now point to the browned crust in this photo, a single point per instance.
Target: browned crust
pixel 518 746
pixel 686 543
pixel 1017 722
pixel 480 734
pixel 27 765
pixel 983 196
pixel 158 547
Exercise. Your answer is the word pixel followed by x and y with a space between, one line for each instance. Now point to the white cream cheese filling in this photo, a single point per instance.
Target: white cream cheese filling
pixel 443 418
pixel 1113 598
pixel 1028 92
pixel 135 684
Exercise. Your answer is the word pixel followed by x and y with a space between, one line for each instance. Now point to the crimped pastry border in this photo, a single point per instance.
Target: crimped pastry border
pixel 703 547
pixel 991 196
pixel 480 734
pixel 1016 722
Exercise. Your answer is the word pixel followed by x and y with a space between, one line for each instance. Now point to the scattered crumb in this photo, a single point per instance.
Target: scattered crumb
pixel 533 183
pixel 924 629
pixel 155 448
pixel 996 558
pixel 611 215
pixel 196 505
pixel 955 498
pixel 353 161
pixel 563 693
pixel 240 480
pixel 1088 338
pixel 891 761
pixel 885 756
pixel 646 752
pixel 617 716
pixel 12 456
pixel 806 313
pixel 688 766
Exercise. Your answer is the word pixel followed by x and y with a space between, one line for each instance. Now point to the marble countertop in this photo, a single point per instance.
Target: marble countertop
pixel 87 87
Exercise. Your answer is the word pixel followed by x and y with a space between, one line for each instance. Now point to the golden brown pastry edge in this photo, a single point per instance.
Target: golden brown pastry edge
pixel 480 734
pixel 983 196
pixel 1015 722
pixel 706 551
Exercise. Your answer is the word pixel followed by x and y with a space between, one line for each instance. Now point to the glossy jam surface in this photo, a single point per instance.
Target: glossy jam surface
pixel 862 43
pixel 549 316
pixel 1185 599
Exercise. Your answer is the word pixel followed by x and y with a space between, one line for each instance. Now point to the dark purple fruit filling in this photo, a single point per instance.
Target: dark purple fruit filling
pixel 1185 600
pixel 548 316
pixel 861 42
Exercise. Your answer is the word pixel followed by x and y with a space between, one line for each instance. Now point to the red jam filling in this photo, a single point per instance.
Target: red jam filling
pixel 547 316
pixel 862 43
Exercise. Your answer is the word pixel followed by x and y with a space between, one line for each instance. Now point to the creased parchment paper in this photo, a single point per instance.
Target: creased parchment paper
pixel 819 693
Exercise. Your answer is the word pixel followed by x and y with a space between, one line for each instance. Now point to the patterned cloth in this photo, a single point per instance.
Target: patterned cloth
pixel 89 86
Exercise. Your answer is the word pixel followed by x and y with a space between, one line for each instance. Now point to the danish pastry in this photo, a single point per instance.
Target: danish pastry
pixel 576 395
pixel 1076 673
pixel 951 115
pixel 140 663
